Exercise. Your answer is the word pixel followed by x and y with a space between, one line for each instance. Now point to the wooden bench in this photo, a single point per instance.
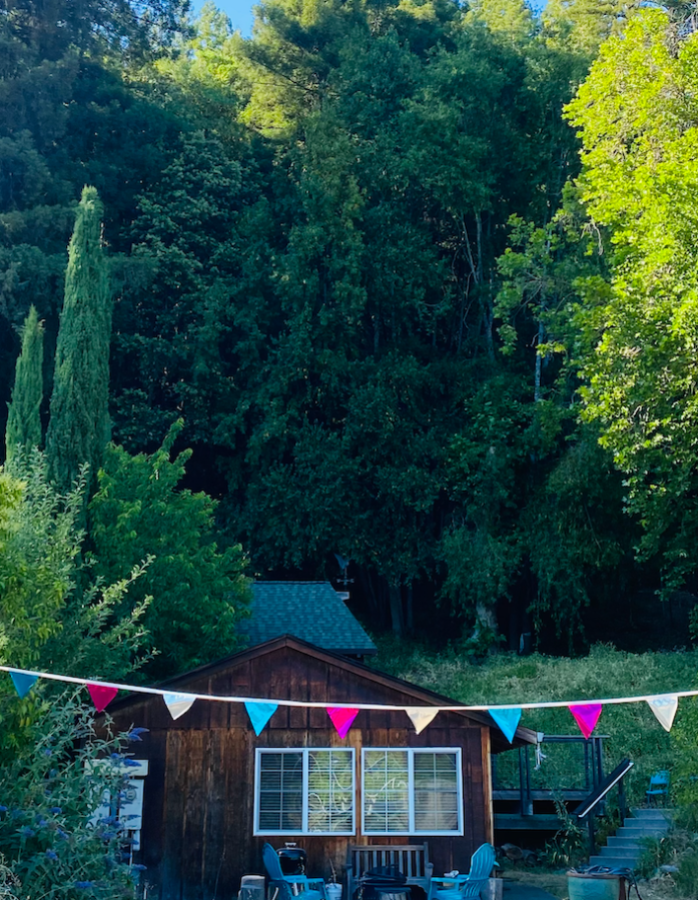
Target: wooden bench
pixel 411 859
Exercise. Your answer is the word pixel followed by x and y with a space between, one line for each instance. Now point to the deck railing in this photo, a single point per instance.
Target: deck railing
pixel 586 808
pixel 588 766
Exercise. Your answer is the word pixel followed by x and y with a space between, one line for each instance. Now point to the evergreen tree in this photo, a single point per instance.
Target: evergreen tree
pixel 23 420
pixel 79 424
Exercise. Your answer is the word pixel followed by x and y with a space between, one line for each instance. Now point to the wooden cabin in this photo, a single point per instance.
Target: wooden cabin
pixel 214 792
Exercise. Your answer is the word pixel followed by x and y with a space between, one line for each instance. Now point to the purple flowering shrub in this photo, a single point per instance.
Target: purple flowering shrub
pixel 52 843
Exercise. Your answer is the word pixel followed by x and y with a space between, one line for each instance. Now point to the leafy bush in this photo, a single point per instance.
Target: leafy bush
pixel 657 851
pixel 51 843
pixel 570 845
pixel 199 590
pixel 687 877
pixel 56 613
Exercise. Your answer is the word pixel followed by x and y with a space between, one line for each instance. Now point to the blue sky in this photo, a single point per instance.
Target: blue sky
pixel 240 11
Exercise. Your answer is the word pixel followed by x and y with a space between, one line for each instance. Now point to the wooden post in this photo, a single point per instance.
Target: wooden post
pixel 621 801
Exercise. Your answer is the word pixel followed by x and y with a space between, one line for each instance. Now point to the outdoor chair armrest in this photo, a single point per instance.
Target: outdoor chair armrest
pixel 429 870
pixel 455 880
pixel 317 884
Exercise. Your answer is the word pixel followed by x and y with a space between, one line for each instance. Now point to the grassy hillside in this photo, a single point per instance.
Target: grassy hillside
pixel 606 672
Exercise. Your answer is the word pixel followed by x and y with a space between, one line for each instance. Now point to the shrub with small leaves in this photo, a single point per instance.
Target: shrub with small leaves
pixel 52 841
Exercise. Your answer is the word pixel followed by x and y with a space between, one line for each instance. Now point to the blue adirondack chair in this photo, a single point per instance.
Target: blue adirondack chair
pixel 466 887
pixel 284 884
pixel 659 787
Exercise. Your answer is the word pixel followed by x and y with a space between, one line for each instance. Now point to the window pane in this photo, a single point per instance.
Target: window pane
pixel 330 791
pixel 436 791
pixel 281 792
pixel 385 791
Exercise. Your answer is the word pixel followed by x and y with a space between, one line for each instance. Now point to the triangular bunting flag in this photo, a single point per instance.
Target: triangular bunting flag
pixel 23 683
pixel 342 717
pixel 421 716
pixel 177 704
pixel 102 695
pixel 507 719
pixel 259 714
pixel 586 715
pixel 664 707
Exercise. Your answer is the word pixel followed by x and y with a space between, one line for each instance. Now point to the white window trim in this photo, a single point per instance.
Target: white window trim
pixel 411 751
pixel 260 751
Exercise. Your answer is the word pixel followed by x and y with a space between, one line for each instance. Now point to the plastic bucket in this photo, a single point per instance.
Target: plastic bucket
pixel 333 891
pixel 593 887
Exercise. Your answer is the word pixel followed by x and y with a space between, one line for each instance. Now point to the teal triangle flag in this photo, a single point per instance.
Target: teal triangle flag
pixel 259 714
pixel 23 683
pixel 507 719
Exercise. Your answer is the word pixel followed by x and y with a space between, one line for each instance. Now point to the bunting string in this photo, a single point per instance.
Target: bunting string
pixel 324 704
pixel 260 710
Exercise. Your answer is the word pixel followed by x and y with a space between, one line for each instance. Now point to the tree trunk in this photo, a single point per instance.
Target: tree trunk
pixel 410 609
pixel 397 621
pixel 537 395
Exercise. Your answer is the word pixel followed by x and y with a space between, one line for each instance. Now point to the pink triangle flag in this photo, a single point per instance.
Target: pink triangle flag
pixel 586 716
pixel 102 695
pixel 342 717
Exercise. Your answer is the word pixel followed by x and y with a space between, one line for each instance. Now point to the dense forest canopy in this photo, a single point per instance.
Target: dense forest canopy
pixel 402 318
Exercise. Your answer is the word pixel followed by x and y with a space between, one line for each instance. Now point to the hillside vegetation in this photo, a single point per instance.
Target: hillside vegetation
pixel 632 729
pixel 408 281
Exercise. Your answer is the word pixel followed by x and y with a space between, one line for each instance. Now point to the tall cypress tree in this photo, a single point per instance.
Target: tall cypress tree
pixel 23 418
pixel 79 422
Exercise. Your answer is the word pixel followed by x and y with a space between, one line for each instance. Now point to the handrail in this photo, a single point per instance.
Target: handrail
pixel 586 806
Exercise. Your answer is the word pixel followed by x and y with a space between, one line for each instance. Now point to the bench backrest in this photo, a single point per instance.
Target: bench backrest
pixel 411 859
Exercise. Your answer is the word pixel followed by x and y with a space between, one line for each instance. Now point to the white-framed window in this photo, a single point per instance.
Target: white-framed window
pixel 412 791
pixel 304 791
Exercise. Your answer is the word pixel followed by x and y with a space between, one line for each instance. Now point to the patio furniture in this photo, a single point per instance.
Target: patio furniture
pixel 466 887
pixel 659 787
pixel 289 886
pixel 410 859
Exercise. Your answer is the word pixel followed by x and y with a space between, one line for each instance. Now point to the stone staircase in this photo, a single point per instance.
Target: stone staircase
pixel 625 848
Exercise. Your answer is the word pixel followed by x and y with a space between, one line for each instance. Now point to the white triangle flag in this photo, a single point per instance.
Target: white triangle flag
pixel 664 707
pixel 421 716
pixel 178 704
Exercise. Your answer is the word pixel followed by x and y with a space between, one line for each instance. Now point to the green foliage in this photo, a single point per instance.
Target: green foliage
pixel 335 253
pixel 678 848
pixel 633 729
pixel 55 613
pixel 636 116
pixel 51 844
pixel 199 591
pixel 570 845
pixel 24 420
pixel 79 425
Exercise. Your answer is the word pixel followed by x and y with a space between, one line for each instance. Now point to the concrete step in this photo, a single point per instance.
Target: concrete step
pixel 635 831
pixel 655 813
pixel 613 862
pixel 630 852
pixel 626 843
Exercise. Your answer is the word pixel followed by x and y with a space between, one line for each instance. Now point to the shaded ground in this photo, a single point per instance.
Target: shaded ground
pixel 539 885
pixel 514 890
pixel 523 884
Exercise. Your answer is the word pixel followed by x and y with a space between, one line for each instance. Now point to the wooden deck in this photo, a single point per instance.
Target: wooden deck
pixel 524 798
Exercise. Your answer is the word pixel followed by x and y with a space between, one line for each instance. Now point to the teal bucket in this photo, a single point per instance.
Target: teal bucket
pixel 593 887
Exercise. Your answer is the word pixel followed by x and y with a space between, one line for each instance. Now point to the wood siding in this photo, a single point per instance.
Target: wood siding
pixel 197 837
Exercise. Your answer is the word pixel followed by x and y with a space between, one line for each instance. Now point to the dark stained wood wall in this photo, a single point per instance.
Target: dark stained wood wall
pixel 197 837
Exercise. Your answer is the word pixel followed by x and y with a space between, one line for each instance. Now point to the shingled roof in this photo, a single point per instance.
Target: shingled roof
pixel 310 610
